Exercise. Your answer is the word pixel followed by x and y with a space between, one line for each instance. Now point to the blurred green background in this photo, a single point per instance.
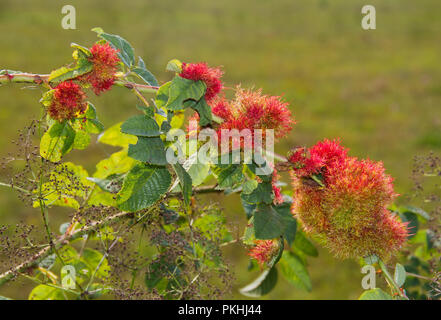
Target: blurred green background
pixel 379 90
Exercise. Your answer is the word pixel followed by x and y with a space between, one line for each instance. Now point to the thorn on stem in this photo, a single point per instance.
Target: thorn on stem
pixel 10 76
pixel 38 79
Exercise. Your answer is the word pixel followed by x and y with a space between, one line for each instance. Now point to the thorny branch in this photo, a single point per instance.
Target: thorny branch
pixel 44 78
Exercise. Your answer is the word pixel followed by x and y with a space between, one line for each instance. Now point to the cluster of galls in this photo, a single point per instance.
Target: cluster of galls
pixel 343 201
pixel 105 61
pixel 248 110
pixel 69 99
pixel 253 110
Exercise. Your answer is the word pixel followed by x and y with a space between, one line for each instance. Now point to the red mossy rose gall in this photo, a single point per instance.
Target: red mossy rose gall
pixel 249 110
pixel 253 110
pixel 105 62
pixel 210 76
pixel 264 251
pixel 68 101
pixel 347 211
pixel 326 153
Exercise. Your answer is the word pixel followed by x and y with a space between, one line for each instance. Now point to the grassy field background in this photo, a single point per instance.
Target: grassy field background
pixel 380 90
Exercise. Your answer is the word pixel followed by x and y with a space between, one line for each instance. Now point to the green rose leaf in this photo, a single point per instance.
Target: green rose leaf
pixel 142 126
pixel 90 122
pixel 154 276
pixel 96 262
pixel 261 194
pixel 90 112
pixel 118 163
pixel 94 126
pixel 375 294
pixel 162 95
pixel 142 187
pixel 249 186
pixel 184 181
pixel 262 285
pixel 303 244
pixel 182 90
pixel 81 48
pixel 228 176
pixel 57 141
pixel 268 223
pixel 83 66
pixel 418 211
pixel 248 208
pixel 198 171
pixel 145 74
pixel 290 223
pixel 126 52
pixel 44 292
pixel 248 235
pixel 114 137
pixel 46 99
pixel 82 139
pixel 149 149
pixel 204 111
pixel 293 270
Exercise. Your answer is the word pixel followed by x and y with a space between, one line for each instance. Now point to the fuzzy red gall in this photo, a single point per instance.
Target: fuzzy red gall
pixel 264 251
pixel 253 110
pixel 326 153
pixel 348 211
pixel 105 61
pixel 68 101
pixel 210 76
pixel 384 239
pixel 258 111
pixel 278 196
pixel 247 112
pixel 222 108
